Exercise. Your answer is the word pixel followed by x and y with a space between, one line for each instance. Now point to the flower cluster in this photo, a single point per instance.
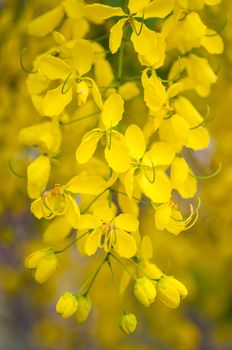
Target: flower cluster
pixel 124 118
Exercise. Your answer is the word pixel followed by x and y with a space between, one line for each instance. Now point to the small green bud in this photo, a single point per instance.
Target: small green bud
pixel 128 323
pixel 84 308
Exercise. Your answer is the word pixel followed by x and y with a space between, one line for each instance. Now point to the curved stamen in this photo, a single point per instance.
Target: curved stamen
pixel 22 63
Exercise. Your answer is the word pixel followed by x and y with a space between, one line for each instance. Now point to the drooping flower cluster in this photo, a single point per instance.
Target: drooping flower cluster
pixel 125 115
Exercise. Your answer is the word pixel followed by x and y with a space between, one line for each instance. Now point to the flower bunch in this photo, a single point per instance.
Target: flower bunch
pixel 120 112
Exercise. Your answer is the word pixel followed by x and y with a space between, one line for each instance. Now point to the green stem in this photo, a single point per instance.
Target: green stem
pixel 93 201
pixel 137 265
pixel 120 61
pixel 13 171
pixel 124 194
pixel 95 274
pixel 117 288
pixel 124 267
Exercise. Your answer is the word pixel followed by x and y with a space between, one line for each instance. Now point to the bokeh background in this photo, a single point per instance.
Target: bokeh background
pixel 200 257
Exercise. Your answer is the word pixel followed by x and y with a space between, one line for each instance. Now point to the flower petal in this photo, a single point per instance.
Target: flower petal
pixel 46 23
pixel 135 141
pixel 116 33
pixel 113 109
pixel 126 222
pixel 55 101
pixel 125 244
pixel 93 242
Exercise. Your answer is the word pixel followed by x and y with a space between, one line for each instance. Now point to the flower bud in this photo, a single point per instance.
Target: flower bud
pixel 43 262
pixel 178 285
pixel 67 305
pixel 144 291
pixel 128 323
pixel 167 293
pixel 84 308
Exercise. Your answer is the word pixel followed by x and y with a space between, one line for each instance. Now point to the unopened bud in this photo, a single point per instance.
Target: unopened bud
pixel 128 323
pixel 144 291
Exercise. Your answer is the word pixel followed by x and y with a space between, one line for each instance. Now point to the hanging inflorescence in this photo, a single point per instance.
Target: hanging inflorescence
pixel 135 127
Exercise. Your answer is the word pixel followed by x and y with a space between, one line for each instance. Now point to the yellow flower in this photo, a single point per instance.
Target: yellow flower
pixel 109 232
pixel 154 183
pixel 144 43
pixel 169 217
pixel 58 200
pixel 43 262
pixel 67 305
pixel 200 76
pixel 69 77
pixel 128 323
pixel 116 153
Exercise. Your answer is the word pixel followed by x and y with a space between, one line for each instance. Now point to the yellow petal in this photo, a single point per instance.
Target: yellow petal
pixel 36 208
pixel 162 216
pixel 46 23
pixel 46 268
pixel 135 5
pixel 113 109
pixel 129 182
pixel 93 242
pixel 34 259
pixel 105 213
pixel 125 244
pixel 53 67
pixel 135 141
pixel 198 139
pixel 87 184
pixel 154 92
pixel 174 130
pixel 128 90
pixel 57 230
pixel 159 8
pixel 159 191
pixel 88 146
pixel 37 176
pixel 145 42
pixel 146 248
pixel 116 33
pixel 126 222
pixel 188 189
pixel 161 153
pixel 36 83
pixel 88 221
pixel 72 212
pixel 117 156
pixel 179 171
pixel 55 101
pixel 74 9
pixel 212 42
pixel 186 109
pixel 82 56
pixel 98 13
